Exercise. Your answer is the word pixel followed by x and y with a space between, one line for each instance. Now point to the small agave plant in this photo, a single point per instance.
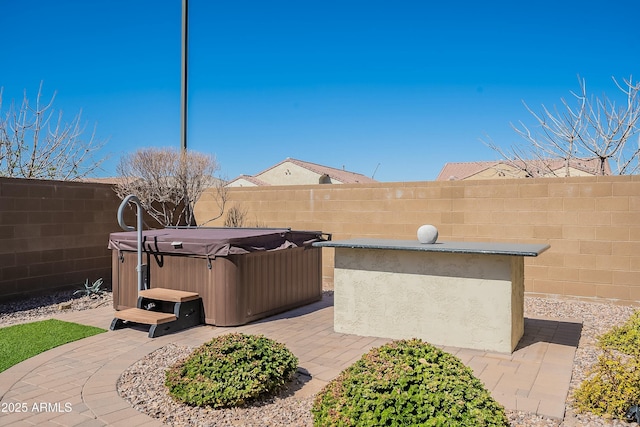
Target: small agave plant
pixel 92 290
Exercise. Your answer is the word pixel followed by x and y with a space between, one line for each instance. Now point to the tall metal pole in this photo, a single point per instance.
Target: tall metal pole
pixel 183 92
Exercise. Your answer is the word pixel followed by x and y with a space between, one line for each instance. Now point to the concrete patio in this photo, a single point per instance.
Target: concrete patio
pixel 75 384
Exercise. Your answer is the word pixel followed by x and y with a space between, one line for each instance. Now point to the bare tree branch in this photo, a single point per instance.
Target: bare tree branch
pixel 169 183
pixel 594 133
pixel 35 142
pixel 236 216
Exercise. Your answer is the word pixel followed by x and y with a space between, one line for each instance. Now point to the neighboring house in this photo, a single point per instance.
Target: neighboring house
pixel 296 172
pixel 532 168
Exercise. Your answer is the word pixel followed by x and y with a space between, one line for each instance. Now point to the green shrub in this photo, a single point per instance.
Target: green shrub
pixel 231 370
pixel 613 384
pixel 94 290
pixel 407 382
pixel 625 338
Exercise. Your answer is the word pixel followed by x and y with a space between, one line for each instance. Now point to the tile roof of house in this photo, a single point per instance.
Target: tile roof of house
pixel 454 171
pixel 251 179
pixel 463 170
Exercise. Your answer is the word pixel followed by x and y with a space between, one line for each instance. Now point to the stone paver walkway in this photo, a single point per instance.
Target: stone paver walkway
pixel 75 384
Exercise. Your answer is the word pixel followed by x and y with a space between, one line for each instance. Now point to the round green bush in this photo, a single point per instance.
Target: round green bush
pixel 613 384
pixel 407 382
pixel 231 370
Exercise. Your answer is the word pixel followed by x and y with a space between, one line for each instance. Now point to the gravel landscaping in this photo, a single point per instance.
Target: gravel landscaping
pixel 143 383
pixel 43 307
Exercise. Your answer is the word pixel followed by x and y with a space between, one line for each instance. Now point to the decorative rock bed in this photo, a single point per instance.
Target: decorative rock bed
pixel 42 307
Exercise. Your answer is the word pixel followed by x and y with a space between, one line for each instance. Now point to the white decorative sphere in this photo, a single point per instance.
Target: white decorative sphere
pixel 427 234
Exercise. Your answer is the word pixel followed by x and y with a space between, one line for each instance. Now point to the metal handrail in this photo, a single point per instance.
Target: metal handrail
pixel 133 199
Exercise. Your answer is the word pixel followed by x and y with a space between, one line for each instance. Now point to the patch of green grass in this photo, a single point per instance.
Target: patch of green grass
pixel 20 342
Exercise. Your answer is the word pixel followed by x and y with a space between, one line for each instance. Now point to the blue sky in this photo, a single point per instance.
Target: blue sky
pixel 399 88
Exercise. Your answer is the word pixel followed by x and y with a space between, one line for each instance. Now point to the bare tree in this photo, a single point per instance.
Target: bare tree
pixel 169 182
pixel 235 216
pixel 595 133
pixel 36 143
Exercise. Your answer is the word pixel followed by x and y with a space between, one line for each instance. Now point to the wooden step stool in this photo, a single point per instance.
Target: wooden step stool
pixel 166 310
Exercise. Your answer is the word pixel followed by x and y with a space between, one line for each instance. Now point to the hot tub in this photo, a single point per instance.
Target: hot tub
pixel 242 274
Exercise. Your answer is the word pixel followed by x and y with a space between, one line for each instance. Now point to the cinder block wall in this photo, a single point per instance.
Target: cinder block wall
pixel 54 235
pixel 591 223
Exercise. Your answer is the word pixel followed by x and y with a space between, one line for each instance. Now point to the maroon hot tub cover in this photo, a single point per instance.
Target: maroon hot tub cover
pixel 213 242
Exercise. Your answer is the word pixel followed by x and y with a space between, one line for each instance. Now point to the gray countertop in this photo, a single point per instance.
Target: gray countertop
pixel 514 249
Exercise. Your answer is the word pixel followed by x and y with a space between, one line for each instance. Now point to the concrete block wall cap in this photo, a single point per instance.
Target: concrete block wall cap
pixel 427 234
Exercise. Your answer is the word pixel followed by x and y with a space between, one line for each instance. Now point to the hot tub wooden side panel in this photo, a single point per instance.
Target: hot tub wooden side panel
pixel 124 280
pixel 273 282
pixel 237 289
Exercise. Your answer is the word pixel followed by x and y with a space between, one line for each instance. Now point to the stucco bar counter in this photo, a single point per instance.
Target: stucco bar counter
pixel 459 294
